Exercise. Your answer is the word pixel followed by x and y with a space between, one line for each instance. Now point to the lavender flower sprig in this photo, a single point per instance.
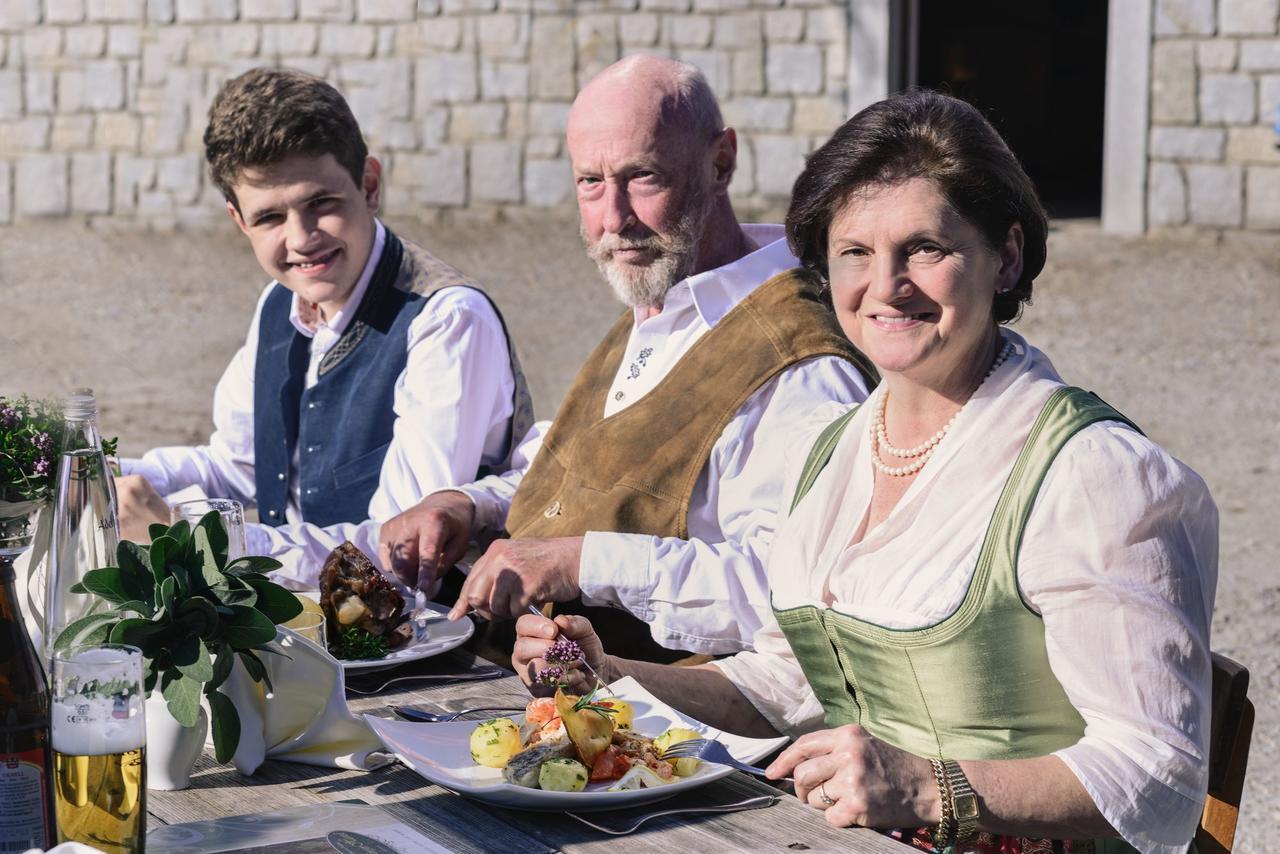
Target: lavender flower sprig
pixel 31 441
pixel 563 651
pixel 550 676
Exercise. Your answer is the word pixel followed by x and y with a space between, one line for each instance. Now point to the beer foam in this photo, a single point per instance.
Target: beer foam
pixel 97 726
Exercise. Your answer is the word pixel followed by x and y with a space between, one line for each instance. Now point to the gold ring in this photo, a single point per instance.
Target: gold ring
pixel 827 800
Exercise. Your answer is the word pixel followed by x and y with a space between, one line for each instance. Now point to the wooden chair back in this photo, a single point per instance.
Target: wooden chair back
pixel 1230 731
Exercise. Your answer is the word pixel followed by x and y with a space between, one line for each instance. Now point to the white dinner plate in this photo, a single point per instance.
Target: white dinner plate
pixel 440 636
pixel 442 753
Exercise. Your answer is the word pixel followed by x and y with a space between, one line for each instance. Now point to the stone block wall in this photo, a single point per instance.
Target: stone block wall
pixel 103 102
pixel 1215 101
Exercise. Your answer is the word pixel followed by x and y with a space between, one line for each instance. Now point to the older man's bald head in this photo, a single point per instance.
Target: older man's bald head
pixel 651 92
pixel 652 164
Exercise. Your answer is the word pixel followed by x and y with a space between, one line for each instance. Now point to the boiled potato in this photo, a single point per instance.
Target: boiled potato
pixel 684 766
pixel 623 713
pixel 494 742
pixel 562 775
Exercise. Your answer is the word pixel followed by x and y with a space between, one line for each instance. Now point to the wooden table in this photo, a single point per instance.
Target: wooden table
pixel 471 826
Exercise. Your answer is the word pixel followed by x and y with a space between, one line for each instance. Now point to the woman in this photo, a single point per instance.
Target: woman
pixel 992 595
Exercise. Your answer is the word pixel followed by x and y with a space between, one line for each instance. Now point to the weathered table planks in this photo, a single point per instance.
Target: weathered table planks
pixel 472 826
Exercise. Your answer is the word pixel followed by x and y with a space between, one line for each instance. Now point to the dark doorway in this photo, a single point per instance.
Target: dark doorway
pixel 1036 69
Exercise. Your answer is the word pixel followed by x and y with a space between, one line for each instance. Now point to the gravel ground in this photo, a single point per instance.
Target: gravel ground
pixel 1173 330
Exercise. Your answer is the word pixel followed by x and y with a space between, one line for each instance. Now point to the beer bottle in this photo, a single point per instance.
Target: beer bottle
pixel 26 804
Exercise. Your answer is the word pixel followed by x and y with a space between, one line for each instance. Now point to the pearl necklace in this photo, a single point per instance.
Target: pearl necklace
pixel 924 450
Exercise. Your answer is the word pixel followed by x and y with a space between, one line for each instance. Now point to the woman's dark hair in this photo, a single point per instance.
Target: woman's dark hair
pixel 923 134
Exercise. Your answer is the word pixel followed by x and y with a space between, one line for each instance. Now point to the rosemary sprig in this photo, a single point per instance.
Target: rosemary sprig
pixel 589 702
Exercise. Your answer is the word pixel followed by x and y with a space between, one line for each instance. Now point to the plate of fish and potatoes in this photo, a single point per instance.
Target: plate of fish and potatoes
pixel 599 752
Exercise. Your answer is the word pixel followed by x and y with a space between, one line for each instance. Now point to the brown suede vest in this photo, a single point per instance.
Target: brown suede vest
pixel 635 471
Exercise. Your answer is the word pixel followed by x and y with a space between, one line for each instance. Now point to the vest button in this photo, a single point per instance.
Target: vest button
pixel 311 405
pixel 553 510
pixel 280 476
pixel 273 514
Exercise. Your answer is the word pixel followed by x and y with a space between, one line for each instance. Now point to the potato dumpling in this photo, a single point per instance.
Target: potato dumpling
pixel 494 742
pixel 623 713
pixel 562 775
pixel 686 766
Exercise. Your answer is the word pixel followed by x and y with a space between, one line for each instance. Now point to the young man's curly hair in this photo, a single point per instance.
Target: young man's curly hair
pixel 269 114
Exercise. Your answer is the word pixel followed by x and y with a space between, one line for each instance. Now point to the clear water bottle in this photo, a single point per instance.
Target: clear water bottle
pixel 86 526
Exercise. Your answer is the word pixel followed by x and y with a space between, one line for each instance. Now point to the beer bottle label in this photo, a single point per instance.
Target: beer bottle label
pixel 22 802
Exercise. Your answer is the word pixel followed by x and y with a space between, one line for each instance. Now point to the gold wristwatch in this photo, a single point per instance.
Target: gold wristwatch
pixel 964 803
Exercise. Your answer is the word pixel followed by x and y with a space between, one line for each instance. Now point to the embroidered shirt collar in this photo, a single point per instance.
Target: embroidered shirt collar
pixel 306 318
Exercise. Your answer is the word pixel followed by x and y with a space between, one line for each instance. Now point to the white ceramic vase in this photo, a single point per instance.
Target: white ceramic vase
pixel 172 749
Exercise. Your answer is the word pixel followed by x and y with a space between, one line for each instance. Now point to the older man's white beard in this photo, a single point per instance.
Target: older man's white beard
pixel 676 255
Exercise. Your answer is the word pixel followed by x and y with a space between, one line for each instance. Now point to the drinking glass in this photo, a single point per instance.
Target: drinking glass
pixel 99 747
pixel 310 626
pixel 232 513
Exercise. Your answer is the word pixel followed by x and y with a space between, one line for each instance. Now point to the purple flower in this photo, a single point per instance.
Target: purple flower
pixel 8 418
pixel 43 443
pixel 564 651
pixel 550 676
pixel 42 466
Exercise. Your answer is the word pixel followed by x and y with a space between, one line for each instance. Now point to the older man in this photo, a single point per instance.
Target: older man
pixel 657 488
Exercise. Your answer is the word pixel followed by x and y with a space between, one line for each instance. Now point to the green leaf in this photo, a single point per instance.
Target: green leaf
pixel 141 633
pixel 215 537
pixel 93 629
pixel 247 628
pixel 182 696
pixel 252 563
pixel 156 530
pixel 135 561
pixel 109 583
pixel 138 606
pixel 168 590
pixel 240 596
pixel 253 665
pixel 224 721
pixel 179 532
pixel 278 604
pixel 255 668
pixel 207 557
pixel 158 555
pixel 222 664
pixel 192 659
pixel 78 587
pixel 199 617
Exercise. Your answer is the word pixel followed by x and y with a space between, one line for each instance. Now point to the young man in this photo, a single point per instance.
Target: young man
pixel 372 374
pixel 651 500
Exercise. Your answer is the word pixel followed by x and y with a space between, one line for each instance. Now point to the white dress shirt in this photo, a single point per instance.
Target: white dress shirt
pixel 1119 557
pixel 452 404
pixel 707 593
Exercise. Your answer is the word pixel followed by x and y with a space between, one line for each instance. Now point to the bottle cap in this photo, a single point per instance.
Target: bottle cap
pixel 80 406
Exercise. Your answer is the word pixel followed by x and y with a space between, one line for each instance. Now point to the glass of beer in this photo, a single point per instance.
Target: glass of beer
pixel 99 737
pixel 231 511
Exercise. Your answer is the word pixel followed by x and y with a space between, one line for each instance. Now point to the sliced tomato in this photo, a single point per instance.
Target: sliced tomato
pixel 610 765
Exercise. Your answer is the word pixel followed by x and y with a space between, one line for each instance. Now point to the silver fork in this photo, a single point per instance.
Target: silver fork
pixel 711 750
pixel 417 715
pixel 758 802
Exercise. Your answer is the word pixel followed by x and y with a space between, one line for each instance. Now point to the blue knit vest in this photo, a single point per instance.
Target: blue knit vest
pixel 342 425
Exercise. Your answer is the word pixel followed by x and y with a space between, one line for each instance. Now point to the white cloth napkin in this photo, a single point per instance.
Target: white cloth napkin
pixel 305 719
pixel 68 848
